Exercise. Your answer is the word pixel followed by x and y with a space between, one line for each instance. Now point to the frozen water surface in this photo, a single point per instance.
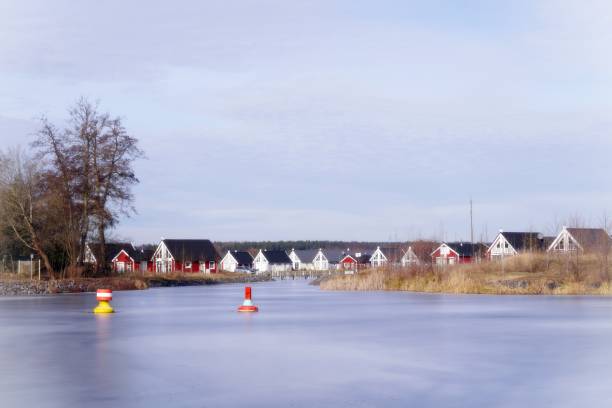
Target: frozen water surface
pixel 187 347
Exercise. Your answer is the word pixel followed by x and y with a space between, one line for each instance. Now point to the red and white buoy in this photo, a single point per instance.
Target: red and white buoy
pixel 247 305
pixel 104 296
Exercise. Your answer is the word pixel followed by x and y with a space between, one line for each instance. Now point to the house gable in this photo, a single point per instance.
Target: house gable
pixel 501 246
pixel 444 250
pixel 162 252
pixel 410 257
pixel 124 252
pixel 378 256
pixel 229 258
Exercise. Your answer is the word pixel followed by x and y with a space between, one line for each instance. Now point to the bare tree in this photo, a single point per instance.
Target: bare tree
pixel 23 204
pixel 90 166
pixel 115 152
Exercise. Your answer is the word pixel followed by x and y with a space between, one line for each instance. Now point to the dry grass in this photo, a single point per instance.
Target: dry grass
pixel 189 279
pixel 530 274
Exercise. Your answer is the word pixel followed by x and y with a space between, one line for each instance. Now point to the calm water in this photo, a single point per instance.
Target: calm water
pixel 187 347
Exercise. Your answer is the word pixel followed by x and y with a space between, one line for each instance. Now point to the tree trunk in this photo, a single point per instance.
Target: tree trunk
pixel 101 265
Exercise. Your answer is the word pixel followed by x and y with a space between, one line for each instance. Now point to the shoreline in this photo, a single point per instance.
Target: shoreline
pixel 26 287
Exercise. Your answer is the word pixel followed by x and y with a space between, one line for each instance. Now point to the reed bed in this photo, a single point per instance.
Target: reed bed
pixel 528 274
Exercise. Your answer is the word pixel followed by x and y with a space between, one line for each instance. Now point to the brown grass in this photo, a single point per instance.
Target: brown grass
pixel 531 274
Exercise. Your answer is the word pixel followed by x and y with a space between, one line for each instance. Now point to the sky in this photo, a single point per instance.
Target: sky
pixel 340 120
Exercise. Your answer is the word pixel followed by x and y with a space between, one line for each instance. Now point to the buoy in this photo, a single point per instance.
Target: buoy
pixel 247 305
pixel 103 296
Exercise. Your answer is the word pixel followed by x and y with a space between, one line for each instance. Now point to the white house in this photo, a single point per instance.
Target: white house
pixel 185 255
pixel 272 261
pixel 235 259
pixel 581 239
pixel 309 259
pixel 512 243
pixel 378 258
pixel 409 258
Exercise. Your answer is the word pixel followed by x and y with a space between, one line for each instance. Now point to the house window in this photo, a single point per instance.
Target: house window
pixel 505 245
pixel 211 265
pixel 188 265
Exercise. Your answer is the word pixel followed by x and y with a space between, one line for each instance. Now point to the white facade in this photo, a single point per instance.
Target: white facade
pixel 260 263
pixel 501 247
pixel 378 259
pixel 229 263
pixel 163 259
pixel 409 258
pixel 321 263
pixel 318 263
pixel 297 263
pixel 564 242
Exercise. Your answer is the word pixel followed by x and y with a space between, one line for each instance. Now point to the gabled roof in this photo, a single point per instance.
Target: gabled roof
pixel 334 256
pixel 590 238
pixel 409 253
pixel 144 254
pixel 467 248
pixel 344 256
pixel 393 254
pixel 306 255
pixel 524 241
pixel 112 249
pixel 277 257
pixel 242 257
pixel 191 249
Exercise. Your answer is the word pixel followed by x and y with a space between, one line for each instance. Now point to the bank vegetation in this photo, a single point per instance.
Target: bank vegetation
pixel 527 274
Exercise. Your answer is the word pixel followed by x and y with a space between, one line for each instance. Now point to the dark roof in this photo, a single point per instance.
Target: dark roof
pixel 364 258
pixel 590 238
pixel 242 257
pixel 467 248
pixel 393 254
pixel 144 254
pixel 306 255
pixel 112 249
pixel 277 256
pixel 192 249
pixel 334 256
pixel 547 241
pixel 524 241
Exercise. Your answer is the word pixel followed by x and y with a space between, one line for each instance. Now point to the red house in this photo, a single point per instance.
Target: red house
pixel 355 261
pixel 133 260
pixel 450 253
pixel 93 255
pixel 186 255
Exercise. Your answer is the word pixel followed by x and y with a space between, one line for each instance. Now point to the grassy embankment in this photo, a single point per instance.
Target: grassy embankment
pixel 529 274
pixel 11 284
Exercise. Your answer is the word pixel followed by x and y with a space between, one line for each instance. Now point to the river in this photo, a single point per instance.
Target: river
pixel 188 347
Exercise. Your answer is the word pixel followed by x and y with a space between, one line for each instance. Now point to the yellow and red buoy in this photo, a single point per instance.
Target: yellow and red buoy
pixel 104 296
pixel 247 305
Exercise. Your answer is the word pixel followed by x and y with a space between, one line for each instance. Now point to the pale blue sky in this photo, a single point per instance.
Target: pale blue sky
pixel 331 119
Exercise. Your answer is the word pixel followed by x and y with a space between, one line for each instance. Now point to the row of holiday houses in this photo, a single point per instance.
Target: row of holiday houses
pixel 201 255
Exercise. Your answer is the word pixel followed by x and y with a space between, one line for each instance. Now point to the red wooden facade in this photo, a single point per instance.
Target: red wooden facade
pixel 445 255
pixel 123 262
pixel 348 262
pixel 194 266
